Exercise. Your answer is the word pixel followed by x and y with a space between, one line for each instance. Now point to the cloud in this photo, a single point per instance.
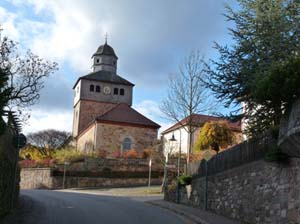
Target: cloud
pixel 42 119
pixel 151 110
pixel 151 38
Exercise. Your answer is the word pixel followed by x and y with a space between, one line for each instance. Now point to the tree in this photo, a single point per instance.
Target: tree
pixel 187 95
pixel 4 96
pixel 26 75
pixel 253 70
pixel 214 135
pixel 49 139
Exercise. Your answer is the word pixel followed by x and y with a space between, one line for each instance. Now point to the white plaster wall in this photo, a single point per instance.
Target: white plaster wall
pixel 173 147
pixel 86 94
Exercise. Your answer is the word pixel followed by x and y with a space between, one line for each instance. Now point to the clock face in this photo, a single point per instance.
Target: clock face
pixel 106 90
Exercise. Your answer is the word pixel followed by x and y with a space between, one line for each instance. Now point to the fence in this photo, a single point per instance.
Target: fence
pixel 238 155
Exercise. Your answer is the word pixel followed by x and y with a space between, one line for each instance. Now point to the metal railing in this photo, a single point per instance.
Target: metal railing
pixel 246 152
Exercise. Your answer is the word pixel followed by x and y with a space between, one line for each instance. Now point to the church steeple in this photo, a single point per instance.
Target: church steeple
pixel 105 59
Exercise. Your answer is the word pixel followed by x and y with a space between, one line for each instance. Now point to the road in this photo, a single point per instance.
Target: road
pixel 53 207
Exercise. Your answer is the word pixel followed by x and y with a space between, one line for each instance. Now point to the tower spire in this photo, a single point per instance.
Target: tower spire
pixel 106 35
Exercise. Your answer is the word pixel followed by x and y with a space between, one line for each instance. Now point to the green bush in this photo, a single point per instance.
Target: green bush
pixel 185 180
pixel 276 155
pixel 69 154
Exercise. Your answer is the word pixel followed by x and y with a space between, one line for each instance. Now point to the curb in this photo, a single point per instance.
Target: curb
pixel 191 217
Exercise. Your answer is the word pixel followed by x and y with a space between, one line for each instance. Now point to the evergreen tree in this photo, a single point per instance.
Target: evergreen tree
pixel 253 70
pixel 4 97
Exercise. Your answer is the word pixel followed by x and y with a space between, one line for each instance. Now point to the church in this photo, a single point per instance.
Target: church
pixel 103 117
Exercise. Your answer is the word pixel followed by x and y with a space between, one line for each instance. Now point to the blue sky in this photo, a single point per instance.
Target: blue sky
pixel 151 38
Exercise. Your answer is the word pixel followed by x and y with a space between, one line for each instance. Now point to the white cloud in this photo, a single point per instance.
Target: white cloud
pixel 41 120
pixel 150 109
pixel 7 21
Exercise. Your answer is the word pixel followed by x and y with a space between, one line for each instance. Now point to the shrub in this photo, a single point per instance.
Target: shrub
pixel 117 154
pixel 276 155
pixel 35 153
pixel 132 154
pixel 101 153
pixel 185 180
pixel 68 154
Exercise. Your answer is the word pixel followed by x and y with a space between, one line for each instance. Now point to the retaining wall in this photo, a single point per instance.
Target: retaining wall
pixel 258 192
pixel 43 178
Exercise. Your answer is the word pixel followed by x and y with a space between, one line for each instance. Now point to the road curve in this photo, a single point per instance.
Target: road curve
pixel 52 207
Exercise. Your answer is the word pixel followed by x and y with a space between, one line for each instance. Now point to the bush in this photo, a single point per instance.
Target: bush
pixel 132 154
pixel 69 154
pixel 276 155
pixel 185 180
pixel 35 153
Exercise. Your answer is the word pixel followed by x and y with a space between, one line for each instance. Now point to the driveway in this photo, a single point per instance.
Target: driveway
pixel 57 207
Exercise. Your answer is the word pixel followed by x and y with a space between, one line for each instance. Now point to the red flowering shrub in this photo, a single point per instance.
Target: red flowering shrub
pixel 116 154
pixel 101 153
pixel 132 153
pixel 28 163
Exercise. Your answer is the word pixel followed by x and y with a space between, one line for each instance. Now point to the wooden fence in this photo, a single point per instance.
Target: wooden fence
pixel 238 155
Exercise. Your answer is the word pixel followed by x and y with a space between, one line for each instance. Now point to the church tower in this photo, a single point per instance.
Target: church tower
pixel 99 91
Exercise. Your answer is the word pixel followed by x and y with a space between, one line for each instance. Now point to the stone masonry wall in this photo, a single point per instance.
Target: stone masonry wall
pixel 88 110
pixel 258 192
pixel 110 137
pixel 42 178
pixel 86 140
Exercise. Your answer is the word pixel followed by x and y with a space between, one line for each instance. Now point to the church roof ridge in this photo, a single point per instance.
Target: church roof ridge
pixel 104 76
pixel 123 113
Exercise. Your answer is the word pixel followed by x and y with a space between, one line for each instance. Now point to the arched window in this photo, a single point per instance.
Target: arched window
pixel 122 92
pixel 127 144
pixel 92 88
pixel 97 60
pixel 116 91
pixel 98 89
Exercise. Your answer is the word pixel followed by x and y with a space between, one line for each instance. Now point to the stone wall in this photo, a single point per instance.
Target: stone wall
pixel 86 140
pixel 110 137
pixel 36 178
pixel 258 192
pixel 86 111
pixel 116 164
pixel 42 178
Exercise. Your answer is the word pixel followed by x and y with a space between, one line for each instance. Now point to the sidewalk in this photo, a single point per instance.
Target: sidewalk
pixel 196 215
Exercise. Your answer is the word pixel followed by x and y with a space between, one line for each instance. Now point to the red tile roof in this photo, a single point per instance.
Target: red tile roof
pixel 123 113
pixel 200 119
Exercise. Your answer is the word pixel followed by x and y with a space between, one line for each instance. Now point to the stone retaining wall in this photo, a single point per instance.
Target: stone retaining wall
pixel 258 192
pixel 42 178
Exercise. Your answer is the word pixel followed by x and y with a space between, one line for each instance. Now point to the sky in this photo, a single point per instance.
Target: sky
pixel 150 38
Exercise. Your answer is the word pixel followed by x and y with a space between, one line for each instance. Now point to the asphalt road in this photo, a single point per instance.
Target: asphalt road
pixel 52 207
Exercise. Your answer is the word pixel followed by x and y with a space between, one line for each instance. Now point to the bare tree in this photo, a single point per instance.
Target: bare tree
pixel 26 75
pixel 187 95
pixel 49 139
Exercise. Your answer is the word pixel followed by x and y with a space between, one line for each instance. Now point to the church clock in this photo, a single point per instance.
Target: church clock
pixel 106 90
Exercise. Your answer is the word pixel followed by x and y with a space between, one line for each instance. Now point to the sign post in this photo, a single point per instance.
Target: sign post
pixel 149 180
pixel 64 177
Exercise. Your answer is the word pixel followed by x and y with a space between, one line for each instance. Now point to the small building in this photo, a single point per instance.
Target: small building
pixel 103 116
pixel 179 130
